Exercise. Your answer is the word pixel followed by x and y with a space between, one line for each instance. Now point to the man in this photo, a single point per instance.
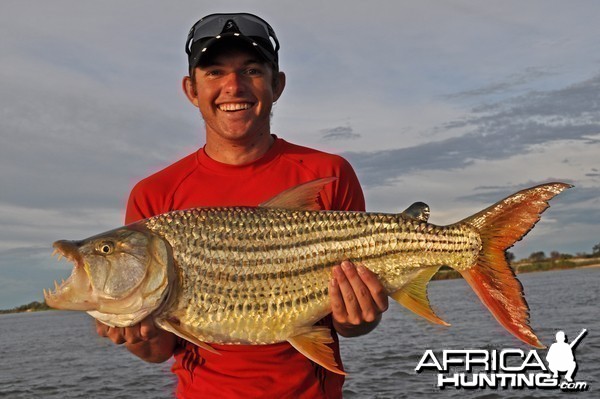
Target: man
pixel 233 80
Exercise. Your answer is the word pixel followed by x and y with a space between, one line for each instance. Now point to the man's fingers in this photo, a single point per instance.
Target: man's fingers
pixel 369 310
pixel 116 335
pixel 147 329
pixel 361 292
pixel 101 329
pixel 143 331
pixel 131 335
pixel 376 289
pixel 351 302
pixel 338 309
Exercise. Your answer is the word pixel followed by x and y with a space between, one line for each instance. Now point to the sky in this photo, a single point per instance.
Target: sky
pixel 454 103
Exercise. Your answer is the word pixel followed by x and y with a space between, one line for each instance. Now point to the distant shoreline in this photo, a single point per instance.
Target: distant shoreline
pixel 445 273
pixel 589 266
pixel 34 306
pixel 527 266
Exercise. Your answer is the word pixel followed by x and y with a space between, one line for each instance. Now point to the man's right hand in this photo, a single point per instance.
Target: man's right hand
pixel 144 339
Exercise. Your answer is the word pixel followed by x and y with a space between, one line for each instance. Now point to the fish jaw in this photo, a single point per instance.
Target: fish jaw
pixel 76 293
pixel 119 277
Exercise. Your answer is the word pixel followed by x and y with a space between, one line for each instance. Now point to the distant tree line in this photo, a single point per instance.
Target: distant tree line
pixel 540 256
pixel 30 307
pixel 596 250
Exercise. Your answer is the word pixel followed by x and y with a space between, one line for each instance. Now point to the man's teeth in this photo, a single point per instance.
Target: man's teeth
pixel 234 106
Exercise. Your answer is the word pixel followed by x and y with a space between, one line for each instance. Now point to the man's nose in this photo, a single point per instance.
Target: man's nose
pixel 234 83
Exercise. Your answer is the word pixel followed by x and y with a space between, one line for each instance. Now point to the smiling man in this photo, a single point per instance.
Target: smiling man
pixel 234 79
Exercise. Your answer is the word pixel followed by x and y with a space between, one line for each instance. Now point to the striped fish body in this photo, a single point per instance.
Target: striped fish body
pixel 260 275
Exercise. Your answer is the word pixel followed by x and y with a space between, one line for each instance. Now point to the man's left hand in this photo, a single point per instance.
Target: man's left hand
pixel 357 299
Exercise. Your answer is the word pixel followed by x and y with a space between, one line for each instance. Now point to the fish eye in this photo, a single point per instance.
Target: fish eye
pixel 105 248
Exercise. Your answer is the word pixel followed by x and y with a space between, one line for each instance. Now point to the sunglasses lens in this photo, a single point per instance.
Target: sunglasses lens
pixel 251 27
pixel 248 25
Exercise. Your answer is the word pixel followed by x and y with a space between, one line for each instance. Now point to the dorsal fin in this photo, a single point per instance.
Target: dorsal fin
pixel 303 196
pixel 418 211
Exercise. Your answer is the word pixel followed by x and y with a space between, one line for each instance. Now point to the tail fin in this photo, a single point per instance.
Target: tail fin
pixel 494 282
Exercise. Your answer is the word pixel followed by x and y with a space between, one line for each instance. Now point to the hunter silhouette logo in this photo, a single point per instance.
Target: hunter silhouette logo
pixel 506 368
pixel 561 355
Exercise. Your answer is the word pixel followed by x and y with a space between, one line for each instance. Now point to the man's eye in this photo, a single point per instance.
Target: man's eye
pixel 214 72
pixel 253 71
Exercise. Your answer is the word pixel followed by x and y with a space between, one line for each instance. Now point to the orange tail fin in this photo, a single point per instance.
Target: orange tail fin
pixel 494 282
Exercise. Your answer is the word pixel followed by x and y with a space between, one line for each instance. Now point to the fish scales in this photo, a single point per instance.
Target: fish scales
pixel 237 264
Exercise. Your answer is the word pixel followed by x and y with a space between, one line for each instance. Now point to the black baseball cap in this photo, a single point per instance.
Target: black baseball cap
pixel 213 28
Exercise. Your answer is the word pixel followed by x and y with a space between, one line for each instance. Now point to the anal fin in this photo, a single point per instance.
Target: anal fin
pixel 312 343
pixel 181 331
pixel 413 296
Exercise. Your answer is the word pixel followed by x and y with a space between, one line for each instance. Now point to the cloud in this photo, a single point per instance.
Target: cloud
pixel 511 82
pixel 499 130
pixel 593 173
pixel 339 133
pixel 571 207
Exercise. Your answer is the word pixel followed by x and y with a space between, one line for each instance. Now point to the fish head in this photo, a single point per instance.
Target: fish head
pixel 123 271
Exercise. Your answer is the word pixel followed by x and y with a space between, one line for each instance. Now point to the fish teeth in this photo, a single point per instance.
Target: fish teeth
pixel 56 287
pixel 59 254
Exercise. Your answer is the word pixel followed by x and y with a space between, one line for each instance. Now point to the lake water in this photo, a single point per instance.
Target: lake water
pixel 58 355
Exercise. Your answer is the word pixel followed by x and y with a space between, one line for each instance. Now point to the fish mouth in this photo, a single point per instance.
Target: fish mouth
pixel 76 293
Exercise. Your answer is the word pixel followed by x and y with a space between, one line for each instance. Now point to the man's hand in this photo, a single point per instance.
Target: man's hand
pixel 144 339
pixel 143 331
pixel 357 299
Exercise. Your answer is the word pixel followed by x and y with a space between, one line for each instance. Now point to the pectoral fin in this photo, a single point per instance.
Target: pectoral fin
pixel 185 333
pixel 413 296
pixel 312 343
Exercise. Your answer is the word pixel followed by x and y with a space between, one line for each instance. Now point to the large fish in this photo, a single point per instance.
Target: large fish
pixel 259 275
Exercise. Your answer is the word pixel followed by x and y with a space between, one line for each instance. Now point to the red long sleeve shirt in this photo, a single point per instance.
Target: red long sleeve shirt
pixel 248 371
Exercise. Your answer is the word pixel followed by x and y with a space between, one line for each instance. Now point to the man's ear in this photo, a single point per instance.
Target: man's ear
pixel 190 91
pixel 278 86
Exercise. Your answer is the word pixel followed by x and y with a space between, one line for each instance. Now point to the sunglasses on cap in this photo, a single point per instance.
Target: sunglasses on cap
pixel 213 27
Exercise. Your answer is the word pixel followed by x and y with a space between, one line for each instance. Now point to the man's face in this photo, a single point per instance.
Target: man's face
pixel 235 92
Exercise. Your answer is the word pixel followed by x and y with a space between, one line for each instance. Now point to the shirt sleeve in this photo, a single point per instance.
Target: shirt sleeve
pixel 144 202
pixel 348 195
pixel 134 211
